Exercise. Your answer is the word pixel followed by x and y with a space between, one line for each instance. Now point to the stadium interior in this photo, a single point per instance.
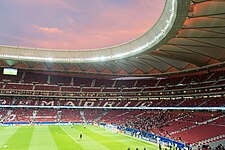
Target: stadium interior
pixel 175 89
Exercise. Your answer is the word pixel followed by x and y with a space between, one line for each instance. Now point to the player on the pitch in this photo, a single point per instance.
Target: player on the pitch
pixel 81 135
pixel 72 124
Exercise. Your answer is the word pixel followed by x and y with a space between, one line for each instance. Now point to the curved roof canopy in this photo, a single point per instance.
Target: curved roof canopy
pixel 189 35
pixel 138 45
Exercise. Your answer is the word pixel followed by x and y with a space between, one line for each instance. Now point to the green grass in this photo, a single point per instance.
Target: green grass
pixel 67 138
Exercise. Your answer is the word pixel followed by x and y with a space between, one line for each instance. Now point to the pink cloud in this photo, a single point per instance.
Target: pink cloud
pixel 65 24
pixel 49 30
pixel 71 41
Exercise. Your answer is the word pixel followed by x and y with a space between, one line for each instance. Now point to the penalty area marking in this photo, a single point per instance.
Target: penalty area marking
pixel 69 135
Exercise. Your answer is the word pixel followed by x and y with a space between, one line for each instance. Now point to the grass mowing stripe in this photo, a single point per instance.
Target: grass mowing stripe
pixel 69 135
pixel 6 133
pixel 111 144
pixel 125 140
pixel 21 139
pixel 42 139
pixel 137 140
pixel 86 142
pixel 67 138
pixel 125 137
pixel 1 127
pixel 62 140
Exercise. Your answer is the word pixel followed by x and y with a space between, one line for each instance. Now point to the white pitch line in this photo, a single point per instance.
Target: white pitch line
pixel 69 135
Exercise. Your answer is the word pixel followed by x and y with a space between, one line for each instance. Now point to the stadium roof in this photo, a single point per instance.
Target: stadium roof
pixel 189 36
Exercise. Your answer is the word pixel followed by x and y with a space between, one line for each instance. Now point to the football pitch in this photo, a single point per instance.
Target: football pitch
pixel 67 138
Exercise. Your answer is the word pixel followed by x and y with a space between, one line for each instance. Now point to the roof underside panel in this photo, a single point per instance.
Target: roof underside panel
pixel 126 66
pixel 113 67
pixel 209 8
pixel 144 67
pixel 99 66
pixel 203 22
pixel 180 65
pixel 185 54
pixel 195 33
pixel 156 63
pixel 198 1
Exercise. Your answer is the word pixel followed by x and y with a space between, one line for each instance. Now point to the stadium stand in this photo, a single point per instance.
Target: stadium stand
pixel 183 69
pixel 186 126
pixel 184 86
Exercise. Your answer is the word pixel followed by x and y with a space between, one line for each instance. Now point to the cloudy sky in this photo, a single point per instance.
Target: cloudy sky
pixel 75 24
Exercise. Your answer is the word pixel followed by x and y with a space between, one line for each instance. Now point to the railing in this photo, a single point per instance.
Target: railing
pixel 210 140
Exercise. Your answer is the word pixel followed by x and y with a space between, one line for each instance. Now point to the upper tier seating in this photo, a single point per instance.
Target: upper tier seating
pixel 76 84
pixel 35 77
pixel 60 79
